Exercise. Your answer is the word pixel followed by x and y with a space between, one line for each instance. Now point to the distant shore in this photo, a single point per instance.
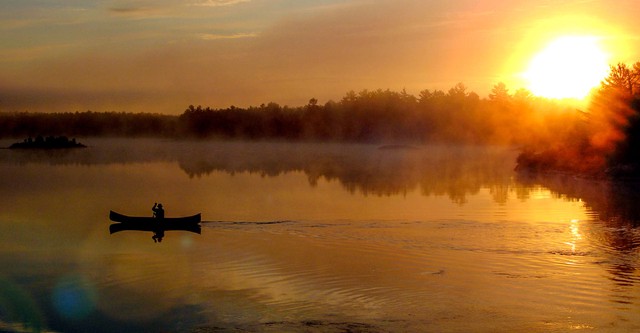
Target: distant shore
pixel 50 142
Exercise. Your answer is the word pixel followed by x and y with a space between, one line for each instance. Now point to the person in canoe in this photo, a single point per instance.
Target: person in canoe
pixel 158 211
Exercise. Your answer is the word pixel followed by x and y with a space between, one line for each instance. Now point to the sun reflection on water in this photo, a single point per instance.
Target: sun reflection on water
pixel 574 228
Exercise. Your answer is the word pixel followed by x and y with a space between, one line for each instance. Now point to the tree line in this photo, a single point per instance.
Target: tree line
pixel 456 115
pixel 606 142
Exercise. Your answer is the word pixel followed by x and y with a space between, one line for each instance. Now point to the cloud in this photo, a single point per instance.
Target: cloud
pixel 138 12
pixel 126 10
pixel 142 9
pixel 228 36
pixel 219 3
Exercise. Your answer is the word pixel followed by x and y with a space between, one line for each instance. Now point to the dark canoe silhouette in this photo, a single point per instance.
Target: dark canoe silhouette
pixel 166 222
pixel 154 226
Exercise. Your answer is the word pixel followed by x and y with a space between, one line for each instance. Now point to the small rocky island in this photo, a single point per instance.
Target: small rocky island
pixel 50 142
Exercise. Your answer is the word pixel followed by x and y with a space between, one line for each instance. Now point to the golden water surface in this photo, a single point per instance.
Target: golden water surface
pixel 312 237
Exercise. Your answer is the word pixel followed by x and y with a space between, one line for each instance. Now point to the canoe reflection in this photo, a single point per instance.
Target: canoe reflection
pixel 157 228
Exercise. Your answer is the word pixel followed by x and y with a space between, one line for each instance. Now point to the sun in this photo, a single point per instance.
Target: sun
pixel 569 67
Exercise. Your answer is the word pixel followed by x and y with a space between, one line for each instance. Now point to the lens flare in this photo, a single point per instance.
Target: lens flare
pixel 73 298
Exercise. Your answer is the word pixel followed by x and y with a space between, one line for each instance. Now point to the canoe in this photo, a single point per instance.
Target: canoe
pixel 167 221
pixel 153 227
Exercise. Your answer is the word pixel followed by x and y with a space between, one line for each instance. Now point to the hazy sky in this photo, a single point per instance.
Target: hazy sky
pixel 162 55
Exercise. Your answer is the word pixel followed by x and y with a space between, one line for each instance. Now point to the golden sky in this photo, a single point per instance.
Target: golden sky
pixel 162 55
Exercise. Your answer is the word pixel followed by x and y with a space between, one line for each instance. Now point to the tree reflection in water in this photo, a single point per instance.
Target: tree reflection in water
pixel 455 171
pixel 435 169
pixel 452 170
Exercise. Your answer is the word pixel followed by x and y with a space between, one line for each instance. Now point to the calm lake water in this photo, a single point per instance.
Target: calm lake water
pixel 312 238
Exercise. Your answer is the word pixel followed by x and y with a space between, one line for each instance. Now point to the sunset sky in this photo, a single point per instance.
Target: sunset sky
pixel 162 55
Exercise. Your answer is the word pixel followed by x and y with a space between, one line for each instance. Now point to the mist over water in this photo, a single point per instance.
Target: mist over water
pixel 312 237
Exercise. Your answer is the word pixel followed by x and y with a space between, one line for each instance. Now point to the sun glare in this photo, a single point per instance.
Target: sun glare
pixel 569 67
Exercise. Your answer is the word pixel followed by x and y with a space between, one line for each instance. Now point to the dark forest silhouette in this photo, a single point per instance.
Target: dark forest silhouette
pixel 367 116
